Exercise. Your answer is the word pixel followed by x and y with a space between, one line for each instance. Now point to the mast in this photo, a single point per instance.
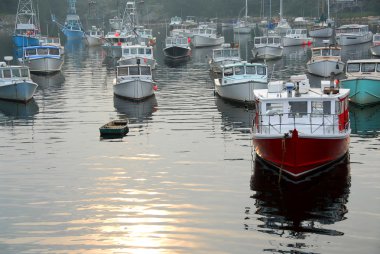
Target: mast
pixel 328 9
pixel 280 9
pixel 72 9
pixel 26 15
pixel 246 9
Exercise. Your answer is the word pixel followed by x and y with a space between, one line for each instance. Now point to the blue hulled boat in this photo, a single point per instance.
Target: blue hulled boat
pixel 363 80
pixel 72 28
pixel 26 31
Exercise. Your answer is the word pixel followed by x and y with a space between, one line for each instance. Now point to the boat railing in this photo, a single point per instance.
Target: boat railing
pixel 306 123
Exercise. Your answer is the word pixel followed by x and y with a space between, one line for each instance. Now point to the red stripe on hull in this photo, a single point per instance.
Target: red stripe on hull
pixel 300 155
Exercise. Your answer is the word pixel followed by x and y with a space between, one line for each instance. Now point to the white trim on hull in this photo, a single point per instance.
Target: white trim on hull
pixel 202 41
pixel 45 64
pixel 267 52
pixel 241 92
pixel 325 68
pixel 134 89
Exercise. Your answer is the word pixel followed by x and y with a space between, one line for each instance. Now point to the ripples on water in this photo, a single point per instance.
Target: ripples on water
pixel 182 181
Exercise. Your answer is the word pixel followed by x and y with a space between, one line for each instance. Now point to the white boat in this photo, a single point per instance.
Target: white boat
pixel 206 37
pixel 177 47
pixel 299 130
pixel 227 54
pixel 267 47
pixel 52 41
pixel 94 36
pixel 353 34
pixel 134 82
pixel 296 37
pixel 375 48
pixel 324 28
pixel 243 26
pixel 116 23
pixel 114 40
pixel 190 22
pixel 325 61
pixel 282 25
pixel 175 22
pixel 239 80
pixel 15 82
pixel 131 54
pixel 42 59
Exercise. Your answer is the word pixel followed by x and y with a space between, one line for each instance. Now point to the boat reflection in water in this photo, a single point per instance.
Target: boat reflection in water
pixel 18 110
pixel 365 120
pixel 299 209
pixel 234 116
pixel 135 111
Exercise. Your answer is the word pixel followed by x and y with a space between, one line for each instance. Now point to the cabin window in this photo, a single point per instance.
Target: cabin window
pixel 303 32
pixel 274 108
pixel 235 53
pixel 378 68
pixel 209 31
pixel 239 70
pixel 148 51
pixel 218 53
pixel 338 107
pixel 145 70
pixel 261 70
pixel 227 53
pixel 133 51
pixel 54 51
pixel 353 67
pixel 376 38
pixel 368 67
pixel 326 107
pixel 141 51
pixel 24 72
pixel 335 52
pixel 30 52
pixel 16 73
pixel 297 108
pixel 325 52
pixel 228 71
pixel 133 70
pixel 270 40
pixel 126 51
pixel 251 70
pixel 316 52
pixel 277 40
pixel 7 73
pixel 42 51
pixel 257 41
pixel 316 107
pixel 123 71
pixel 1 74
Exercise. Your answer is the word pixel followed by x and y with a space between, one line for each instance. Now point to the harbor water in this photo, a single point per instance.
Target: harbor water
pixel 183 180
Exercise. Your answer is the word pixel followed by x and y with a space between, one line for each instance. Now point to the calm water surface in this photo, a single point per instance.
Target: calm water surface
pixel 183 180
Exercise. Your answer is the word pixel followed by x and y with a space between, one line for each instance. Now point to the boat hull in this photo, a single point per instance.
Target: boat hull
pixel 375 50
pixel 21 91
pixel 134 89
pixel 239 91
pixel 322 32
pixel 363 91
pixel 44 64
pixel 295 41
pixel 176 52
pixel 93 41
pixel 298 156
pixel 267 52
pixel 73 34
pixel 324 68
pixel 25 41
pixel 351 39
pixel 203 41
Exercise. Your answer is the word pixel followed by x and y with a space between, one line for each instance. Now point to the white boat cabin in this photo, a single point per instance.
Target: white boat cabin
pixel 286 106
pixel 352 29
pixel 133 71
pixel 319 52
pixel 227 51
pixel 244 69
pixel 267 40
pixel 376 39
pixel 41 51
pixel 175 21
pixel 177 41
pixel 363 67
pixel 8 73
pixel 206 32
pixel 296 33
pixel 131 51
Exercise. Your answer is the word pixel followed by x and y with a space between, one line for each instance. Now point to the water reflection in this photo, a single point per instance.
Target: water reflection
pixel 234 116
pixel 296 210
pixel 135 111
pixel 49 82
pixel 357 51
pixel 365 120
pixel 19 110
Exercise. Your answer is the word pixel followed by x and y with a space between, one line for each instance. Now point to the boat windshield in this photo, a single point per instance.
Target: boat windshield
pixel 353 67
pixel 42 51
pixel 261 70
pixel 335 52
pixel 14 72
pixel 376 38
pixel 54 51
pixel 251 69
pixel 30 52
pixel 368 67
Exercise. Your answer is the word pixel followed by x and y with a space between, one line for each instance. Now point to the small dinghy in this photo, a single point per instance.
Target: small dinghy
pixel 114 129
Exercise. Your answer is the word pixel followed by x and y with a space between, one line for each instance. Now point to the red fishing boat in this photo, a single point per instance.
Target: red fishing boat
pixel 298 129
